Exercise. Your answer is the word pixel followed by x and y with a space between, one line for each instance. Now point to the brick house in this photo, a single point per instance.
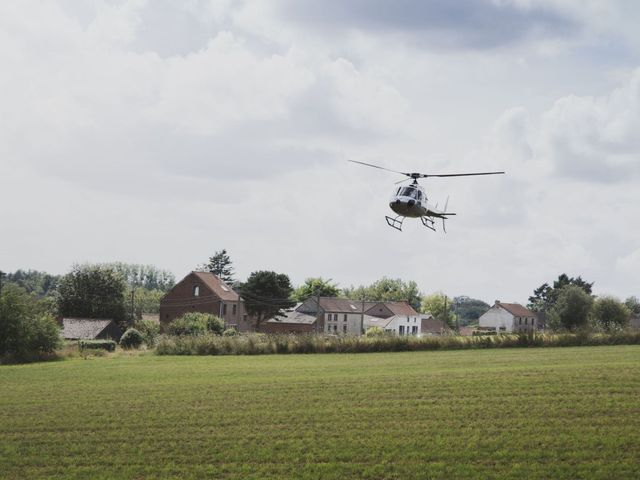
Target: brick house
pixel 205 292
pixel 508 317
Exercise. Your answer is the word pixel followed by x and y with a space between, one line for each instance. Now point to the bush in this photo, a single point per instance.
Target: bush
pixel 132 338
pixel 150 331
pixel 215 324
pixel 374 332
pixel 108 345
pixel 26 329
pixel 230 332
pixel 196 323
pixel 260 344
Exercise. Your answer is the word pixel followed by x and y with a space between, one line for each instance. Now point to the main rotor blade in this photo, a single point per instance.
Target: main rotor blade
pixel 425 175
pixel 381 168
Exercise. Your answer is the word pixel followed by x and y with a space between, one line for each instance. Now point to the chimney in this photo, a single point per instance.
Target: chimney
pixel 497 303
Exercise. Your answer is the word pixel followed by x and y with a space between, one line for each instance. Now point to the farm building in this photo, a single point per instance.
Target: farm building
pixel 205 292
pixel 291 322
pixel 508 317
pixel 90 329
pixel 342 316
pixel 432 326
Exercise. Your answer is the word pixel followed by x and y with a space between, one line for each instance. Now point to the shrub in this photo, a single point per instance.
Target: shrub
pixel 149 330
pixel 230 332
pixel 259 344
pixel 108 345
pixel 189 324
pixel 374 332
pixel 215 324
pixel 196 323
pixel 132 338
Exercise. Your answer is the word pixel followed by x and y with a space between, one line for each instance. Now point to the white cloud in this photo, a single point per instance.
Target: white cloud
pixel 232 131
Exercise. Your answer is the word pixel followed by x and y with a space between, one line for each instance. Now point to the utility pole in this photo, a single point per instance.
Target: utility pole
pixel 133 292
pixel 362 318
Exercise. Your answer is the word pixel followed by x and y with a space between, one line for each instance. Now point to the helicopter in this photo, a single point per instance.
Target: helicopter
pixel 411 200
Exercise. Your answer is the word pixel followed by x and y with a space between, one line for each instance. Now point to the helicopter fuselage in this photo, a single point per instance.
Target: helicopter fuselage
pixel 410 201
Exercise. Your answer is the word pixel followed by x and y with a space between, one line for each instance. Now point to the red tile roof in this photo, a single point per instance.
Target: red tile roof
pixel 516 309
pixel 221 289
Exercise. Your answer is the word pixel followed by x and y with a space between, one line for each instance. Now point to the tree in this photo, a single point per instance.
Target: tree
pixel 544 297
pixel 148 277
pixel 439 305
pixel 387 290
pixel 610 313
pixel 33 281
pixel 633 304
pixel 25 325
pixel 571 308
pixel 266 294
pixel 92 291
pixel 220 265
pixel 144 301
pixel 315 286
pixel 469 309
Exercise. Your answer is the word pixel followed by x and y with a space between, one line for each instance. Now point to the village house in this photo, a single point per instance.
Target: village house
pixel 508 318
pixel 343 316
pixel 399 318
pixel 432 326
pixel 205 292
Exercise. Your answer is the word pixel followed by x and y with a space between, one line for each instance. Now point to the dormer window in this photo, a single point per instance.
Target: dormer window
pixel 196 290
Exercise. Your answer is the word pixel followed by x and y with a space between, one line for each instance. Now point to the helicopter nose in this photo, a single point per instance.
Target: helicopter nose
pixel 411 203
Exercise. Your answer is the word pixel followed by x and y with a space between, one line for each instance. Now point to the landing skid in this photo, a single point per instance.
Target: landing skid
pixel 429 223
pixel 395 223
pixel 426 221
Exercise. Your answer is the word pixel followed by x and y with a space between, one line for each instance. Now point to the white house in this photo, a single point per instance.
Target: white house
pixel 398 324
pixel 508 317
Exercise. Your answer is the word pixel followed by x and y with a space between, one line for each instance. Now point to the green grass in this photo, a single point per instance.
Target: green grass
pixel 508 413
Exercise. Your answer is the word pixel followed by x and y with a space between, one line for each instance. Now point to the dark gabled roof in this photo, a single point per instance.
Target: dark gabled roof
pixel 294 317
pixel 83 328
pixel 341 305
pixel 401 308
pixel 214 283
pixel 516 309
pixel 371 321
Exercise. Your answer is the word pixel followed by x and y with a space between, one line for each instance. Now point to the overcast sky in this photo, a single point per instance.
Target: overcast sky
pixel 161 131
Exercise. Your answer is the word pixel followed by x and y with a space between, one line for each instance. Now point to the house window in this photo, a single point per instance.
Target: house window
pixel 196 290
pixel 401 329
pixel 328 328
pixel 519 321
pixel 244 318
pixel 335 328
pixel 234 309
pixel 344 328
pixel 224 309
pixel 335 317
pixel 345 317
pixel 525 321
pixel 414 330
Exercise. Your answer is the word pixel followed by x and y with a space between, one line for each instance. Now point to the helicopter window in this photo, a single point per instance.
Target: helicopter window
pixel 407 192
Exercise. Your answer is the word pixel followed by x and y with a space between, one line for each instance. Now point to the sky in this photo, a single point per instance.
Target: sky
pixel 159 132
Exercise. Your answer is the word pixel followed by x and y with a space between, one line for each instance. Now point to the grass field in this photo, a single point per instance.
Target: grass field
pixel 513 413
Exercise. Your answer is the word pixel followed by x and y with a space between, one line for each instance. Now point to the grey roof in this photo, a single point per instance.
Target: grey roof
pixel 294 317
pixel 370 321
pixel 83 328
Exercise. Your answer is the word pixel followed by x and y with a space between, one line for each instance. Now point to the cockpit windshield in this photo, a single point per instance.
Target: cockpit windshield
pixel 411 192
